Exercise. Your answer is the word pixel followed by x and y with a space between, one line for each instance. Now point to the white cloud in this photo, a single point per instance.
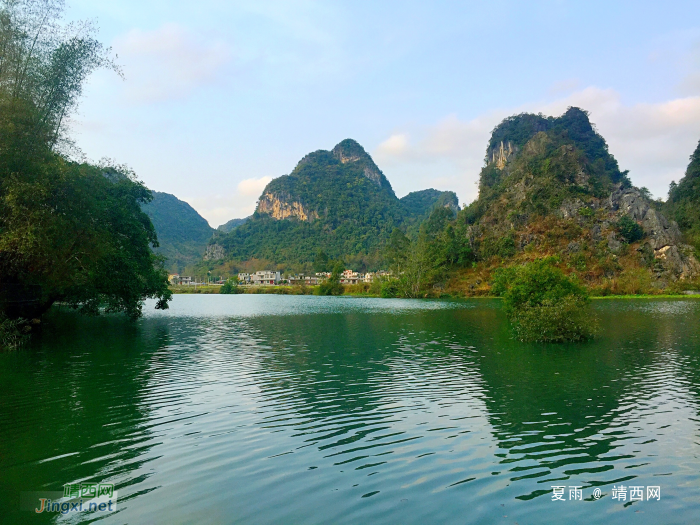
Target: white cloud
pixel 394 145
pixel 253 187
pixel 168 62
pixel 221 208
pixel 653 141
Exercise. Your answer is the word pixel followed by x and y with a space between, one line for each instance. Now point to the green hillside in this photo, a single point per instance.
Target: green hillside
pixel 419 204
pixel 232 224
pixel 182 233
pixel 338 201
pixel 683 203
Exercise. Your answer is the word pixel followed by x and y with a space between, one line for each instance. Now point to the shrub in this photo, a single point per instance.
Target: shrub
pixel 390 288
pixel 629 230
pixel 543 303
pixel 566 319
pixel 230 287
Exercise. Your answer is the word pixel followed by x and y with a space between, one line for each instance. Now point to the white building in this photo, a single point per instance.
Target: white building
pixel 243 278
pixel 349 277
pixel 265 277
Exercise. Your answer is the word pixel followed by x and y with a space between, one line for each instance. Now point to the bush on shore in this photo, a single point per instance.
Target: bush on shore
pixel 230 287
pixel 332 286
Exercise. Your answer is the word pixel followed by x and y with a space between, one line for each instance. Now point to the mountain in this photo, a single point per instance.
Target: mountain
pixel 683 203
pixel 182 233
pixel 233 223
pixel 550 187
pixel 338 201
pixel 419 204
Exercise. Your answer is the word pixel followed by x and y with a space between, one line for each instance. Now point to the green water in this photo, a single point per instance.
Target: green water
pixel 279 409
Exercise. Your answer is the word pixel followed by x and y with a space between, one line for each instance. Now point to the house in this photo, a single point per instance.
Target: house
pixel 265 277
pixel 174 278
pixel 349 277
pixel 185 280
pixel 243 278
pixel 368 277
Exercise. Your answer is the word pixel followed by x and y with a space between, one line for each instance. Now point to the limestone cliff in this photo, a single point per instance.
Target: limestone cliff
pixel 500 155
pixel 283 207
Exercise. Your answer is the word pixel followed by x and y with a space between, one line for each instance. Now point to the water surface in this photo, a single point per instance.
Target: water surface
pixel 284 409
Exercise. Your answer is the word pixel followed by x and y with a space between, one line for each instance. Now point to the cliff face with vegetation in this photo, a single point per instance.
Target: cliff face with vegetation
pixel 550 187
pixel 338 201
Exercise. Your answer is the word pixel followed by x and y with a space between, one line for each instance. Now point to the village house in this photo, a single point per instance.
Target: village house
pixel 243 278
pixel 349 277
pixel 265 277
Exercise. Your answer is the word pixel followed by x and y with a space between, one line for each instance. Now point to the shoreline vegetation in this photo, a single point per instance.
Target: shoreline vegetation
pixel 356 291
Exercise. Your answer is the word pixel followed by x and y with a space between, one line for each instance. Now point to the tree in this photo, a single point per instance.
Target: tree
pixel 629 229
pixel 321 262
pixel 332 286
pixel 75 230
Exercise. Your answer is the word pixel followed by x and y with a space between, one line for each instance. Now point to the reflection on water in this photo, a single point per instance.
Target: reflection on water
pixel 267 409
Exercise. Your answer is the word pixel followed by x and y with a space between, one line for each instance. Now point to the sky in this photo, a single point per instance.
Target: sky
pixel 220 97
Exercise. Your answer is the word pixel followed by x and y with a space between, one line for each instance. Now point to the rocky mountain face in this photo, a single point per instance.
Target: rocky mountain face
pixel 550 187
pixel 183 234
pixel 338 201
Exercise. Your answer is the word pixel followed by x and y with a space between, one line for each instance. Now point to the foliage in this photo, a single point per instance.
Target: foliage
pixel 419 204
pixel 321 262
pixel 182 233
pixel 231 286
pixel 75 230
pixel 543 303
pixel 554 321
pixel 13 332
pixel 683 203
pixel 332 286
pixel 232 224
pixel 503 247
pixel 389 288
pixel 629 229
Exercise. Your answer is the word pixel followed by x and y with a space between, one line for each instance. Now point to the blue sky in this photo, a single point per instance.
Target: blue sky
pixel 220 97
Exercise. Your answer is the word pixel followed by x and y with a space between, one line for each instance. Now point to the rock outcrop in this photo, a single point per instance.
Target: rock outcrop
pixel 214 252
pixel 350 151
pixel 662 236
pixel 500 154
pixel 282 207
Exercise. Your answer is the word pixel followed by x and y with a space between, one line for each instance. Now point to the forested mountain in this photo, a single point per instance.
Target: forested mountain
pixel 183 234
pixel 419 204
pixel 233 223
pixel 337 201
pixel 683 203
pixel 551 187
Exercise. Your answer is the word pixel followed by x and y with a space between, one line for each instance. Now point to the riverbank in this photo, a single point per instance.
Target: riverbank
pixel 357 291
